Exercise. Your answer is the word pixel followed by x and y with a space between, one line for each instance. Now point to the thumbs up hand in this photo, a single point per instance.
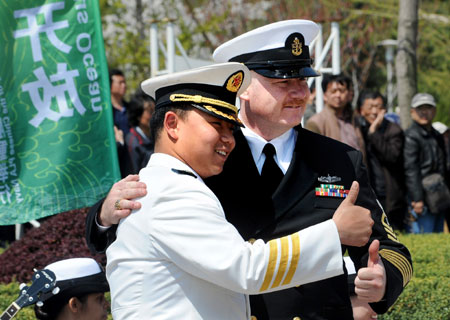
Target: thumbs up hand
pixel 370 283
pixel 354 223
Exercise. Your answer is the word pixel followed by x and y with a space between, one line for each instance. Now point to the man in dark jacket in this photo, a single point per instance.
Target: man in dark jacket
pixel 384 142
pixel 424 155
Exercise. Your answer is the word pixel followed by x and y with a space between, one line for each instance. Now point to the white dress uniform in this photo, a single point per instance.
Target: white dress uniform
pixel 178 258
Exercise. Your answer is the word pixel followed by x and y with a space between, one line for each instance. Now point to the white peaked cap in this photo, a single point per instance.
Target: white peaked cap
pixel 271 36
pixel 74 268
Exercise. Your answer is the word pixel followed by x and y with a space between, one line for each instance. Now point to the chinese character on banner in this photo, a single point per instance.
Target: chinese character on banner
pixel 57 145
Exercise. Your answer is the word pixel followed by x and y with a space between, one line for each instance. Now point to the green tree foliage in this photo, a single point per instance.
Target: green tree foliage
pixel 203 25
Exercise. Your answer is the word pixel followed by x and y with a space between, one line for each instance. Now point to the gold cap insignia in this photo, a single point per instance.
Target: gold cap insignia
pixel 296 47
pixel 235 81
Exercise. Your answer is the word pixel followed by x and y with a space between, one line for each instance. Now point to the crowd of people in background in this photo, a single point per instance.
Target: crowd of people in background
pixel 397 161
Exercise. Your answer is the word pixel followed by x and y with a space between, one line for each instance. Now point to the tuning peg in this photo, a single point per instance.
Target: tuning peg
pixel 39 304
pixel 55 290
pixel 22 285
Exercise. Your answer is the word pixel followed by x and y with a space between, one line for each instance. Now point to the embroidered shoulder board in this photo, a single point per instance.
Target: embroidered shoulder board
pixel 187 173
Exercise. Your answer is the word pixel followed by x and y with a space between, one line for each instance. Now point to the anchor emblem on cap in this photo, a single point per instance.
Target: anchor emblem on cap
pixel 296 47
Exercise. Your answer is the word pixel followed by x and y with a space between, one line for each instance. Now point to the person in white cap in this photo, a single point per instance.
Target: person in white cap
pixel 427 178
pixel 177 257
pixel 82 285
pixel 310 177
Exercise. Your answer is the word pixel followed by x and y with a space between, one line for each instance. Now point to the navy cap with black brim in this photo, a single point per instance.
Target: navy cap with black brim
pixel 212 89
pixel 75 277
pixel 277 50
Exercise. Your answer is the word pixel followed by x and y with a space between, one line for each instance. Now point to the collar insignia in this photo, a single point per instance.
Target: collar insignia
pixel 329 179
pixel 296 47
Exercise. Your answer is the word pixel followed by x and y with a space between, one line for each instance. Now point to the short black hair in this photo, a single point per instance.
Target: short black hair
pixel 136 106
pixel 157 120
pixel 369 94
pixel 339 78
pixel 51 310
pixel 115 72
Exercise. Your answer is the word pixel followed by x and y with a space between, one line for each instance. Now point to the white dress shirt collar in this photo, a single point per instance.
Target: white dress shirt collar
pixel 284 146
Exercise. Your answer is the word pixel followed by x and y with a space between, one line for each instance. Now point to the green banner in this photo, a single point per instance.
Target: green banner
pixel 57 146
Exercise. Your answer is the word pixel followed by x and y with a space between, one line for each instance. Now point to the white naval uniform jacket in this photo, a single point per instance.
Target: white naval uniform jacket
pixel 178 258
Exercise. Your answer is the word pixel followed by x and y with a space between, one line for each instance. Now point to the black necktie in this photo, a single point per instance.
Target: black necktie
pixel 271 174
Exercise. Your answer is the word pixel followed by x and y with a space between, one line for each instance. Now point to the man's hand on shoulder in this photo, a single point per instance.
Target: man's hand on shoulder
pixel 119 201
pixel 354 223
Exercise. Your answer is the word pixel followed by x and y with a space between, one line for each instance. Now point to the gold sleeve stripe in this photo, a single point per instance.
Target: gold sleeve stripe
pixel 392 238
pixel 388 228
pixel 399 258
pixel 283 262
pixel 407 265
pixel 271 266
pixel 400 262
pixel 391 233
pixel 400 265
pixel 295 257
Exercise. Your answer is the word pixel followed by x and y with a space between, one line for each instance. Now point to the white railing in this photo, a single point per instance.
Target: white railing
pixel 320 53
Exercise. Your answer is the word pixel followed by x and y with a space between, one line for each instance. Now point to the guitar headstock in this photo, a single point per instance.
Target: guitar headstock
pixel 43 281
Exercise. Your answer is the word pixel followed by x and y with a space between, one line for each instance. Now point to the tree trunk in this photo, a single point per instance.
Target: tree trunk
pixel 140 20
pixel 405 63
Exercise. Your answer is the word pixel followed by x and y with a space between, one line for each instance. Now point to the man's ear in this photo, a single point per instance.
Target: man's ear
pixel 171 122
pixel 74 305
pixel 244 97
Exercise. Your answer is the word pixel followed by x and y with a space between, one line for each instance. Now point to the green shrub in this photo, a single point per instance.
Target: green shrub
pixel 59 237
pixel 424 298
pixel 8 294
pixel 428 293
